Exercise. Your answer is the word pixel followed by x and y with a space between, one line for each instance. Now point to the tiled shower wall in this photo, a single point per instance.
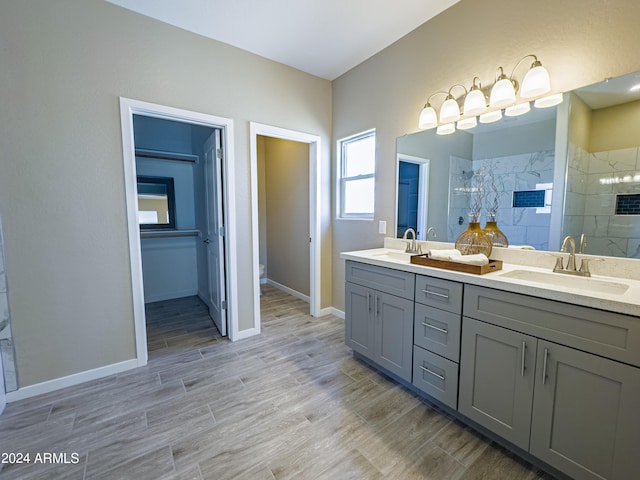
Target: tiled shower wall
pixel 6 341
pixel 522 226
pixel 593 181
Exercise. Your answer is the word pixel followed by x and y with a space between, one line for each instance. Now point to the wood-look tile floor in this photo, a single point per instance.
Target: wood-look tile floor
pixel 291 403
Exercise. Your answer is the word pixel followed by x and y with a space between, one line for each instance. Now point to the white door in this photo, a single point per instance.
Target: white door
pixel 215 232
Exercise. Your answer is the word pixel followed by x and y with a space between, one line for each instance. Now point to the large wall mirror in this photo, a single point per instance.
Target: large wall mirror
pixel 156 203
pixel 568 170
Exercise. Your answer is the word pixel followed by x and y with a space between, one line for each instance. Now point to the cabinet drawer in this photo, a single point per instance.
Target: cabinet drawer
pixel 436 376
pixel 437 331
pixel 383 279
pixel 435 292
pixel 607 334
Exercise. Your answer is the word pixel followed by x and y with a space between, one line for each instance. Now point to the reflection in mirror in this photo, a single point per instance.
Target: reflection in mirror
pixel 412 184
pixel 545 178
pixel 156 203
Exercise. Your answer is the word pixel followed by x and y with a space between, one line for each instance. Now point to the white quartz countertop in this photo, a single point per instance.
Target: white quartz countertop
pixel 601 292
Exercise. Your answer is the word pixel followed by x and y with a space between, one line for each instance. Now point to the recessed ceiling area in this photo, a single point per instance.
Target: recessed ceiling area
pixel 325 38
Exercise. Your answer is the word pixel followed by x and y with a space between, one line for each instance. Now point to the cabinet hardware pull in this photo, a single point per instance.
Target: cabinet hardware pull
pixel 428 325
pixel 544 366
pixel 430 372
pixel 376 304
pixel 429 292
pixel 524 349
pixel 369 302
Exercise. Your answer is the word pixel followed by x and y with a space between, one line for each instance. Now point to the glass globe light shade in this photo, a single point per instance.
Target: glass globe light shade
pixel 467 123
pixel 450 111
pixel 519 109
pixel 428 118
pixel 474 103
pixel 491 117
pixel 503 93
pixel 446 129
pixel 536 82
pixel 548 101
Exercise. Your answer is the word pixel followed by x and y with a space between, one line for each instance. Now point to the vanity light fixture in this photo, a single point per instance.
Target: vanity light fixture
pixel 506 93
pixel 475 102
pixel 491 117
pixel 467 123
pixel 446 129
pixel 450 110
pixel 518 109
pixel 503 92
pixel 536 82
pixel 428 116
pixel 548 101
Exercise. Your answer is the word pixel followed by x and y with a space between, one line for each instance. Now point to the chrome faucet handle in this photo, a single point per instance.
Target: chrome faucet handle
pixel 584 265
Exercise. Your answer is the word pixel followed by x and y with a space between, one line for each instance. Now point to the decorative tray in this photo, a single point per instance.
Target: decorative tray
pixel 492 266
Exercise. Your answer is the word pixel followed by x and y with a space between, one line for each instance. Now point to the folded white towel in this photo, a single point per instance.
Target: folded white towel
pixel 444 254
pixel 477 259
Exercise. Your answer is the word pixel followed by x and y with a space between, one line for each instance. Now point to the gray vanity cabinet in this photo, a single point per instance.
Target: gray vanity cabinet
pixel 585 414
pixel 497 379
pixel 379 316
pixel 436 338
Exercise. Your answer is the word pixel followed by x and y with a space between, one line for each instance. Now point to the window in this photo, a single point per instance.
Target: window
pixel 357 175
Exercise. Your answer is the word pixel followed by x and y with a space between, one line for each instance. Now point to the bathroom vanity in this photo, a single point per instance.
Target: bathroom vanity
pixel 550 370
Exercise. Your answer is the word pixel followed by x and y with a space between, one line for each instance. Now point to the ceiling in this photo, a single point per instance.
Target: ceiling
pixel 325 38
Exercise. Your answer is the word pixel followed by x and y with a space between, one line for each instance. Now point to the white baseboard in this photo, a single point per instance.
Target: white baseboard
pixel 337 313
pixel 290 291
pixel 169 296
pixel 70 380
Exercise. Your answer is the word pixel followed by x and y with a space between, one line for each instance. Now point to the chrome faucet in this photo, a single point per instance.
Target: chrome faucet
pixel 412 247
pixel 431 230
pixel 571 263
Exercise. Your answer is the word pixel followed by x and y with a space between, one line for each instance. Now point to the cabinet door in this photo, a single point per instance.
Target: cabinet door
pixel 585 415
pixel 436 376
pixel 394 334
pixel 359 325
pixel 496 379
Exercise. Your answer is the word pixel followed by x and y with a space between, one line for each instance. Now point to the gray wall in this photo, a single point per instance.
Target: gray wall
pixel 579 41
pixel 64 66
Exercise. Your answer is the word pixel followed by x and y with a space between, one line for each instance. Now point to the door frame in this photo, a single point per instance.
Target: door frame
pixel 423 192
pixel 314 143
pixel 128 108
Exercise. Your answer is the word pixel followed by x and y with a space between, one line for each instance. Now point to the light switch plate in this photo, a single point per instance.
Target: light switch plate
pixel 382 227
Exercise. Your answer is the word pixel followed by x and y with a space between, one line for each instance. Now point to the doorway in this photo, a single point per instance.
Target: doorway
pixel 218 172
pixel 412 194
pixel 314 180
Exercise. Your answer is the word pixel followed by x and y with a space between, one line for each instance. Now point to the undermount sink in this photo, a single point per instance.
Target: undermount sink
pixel 569 281
pixel 394 255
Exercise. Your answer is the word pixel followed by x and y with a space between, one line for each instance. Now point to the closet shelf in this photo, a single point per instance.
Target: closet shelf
pixel 168 233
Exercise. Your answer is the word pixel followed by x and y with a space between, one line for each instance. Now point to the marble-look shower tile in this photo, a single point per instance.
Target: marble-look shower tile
pixel 595 226
pixel 610 246
pixel 624 226
pixel 623 159
pixel 633 248
pixel 600 204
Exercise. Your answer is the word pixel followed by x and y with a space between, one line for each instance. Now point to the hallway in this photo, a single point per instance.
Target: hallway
pixel 289 403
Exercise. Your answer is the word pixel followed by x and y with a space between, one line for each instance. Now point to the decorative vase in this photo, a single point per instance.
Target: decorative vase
pixel 498 238
pixel 474 240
